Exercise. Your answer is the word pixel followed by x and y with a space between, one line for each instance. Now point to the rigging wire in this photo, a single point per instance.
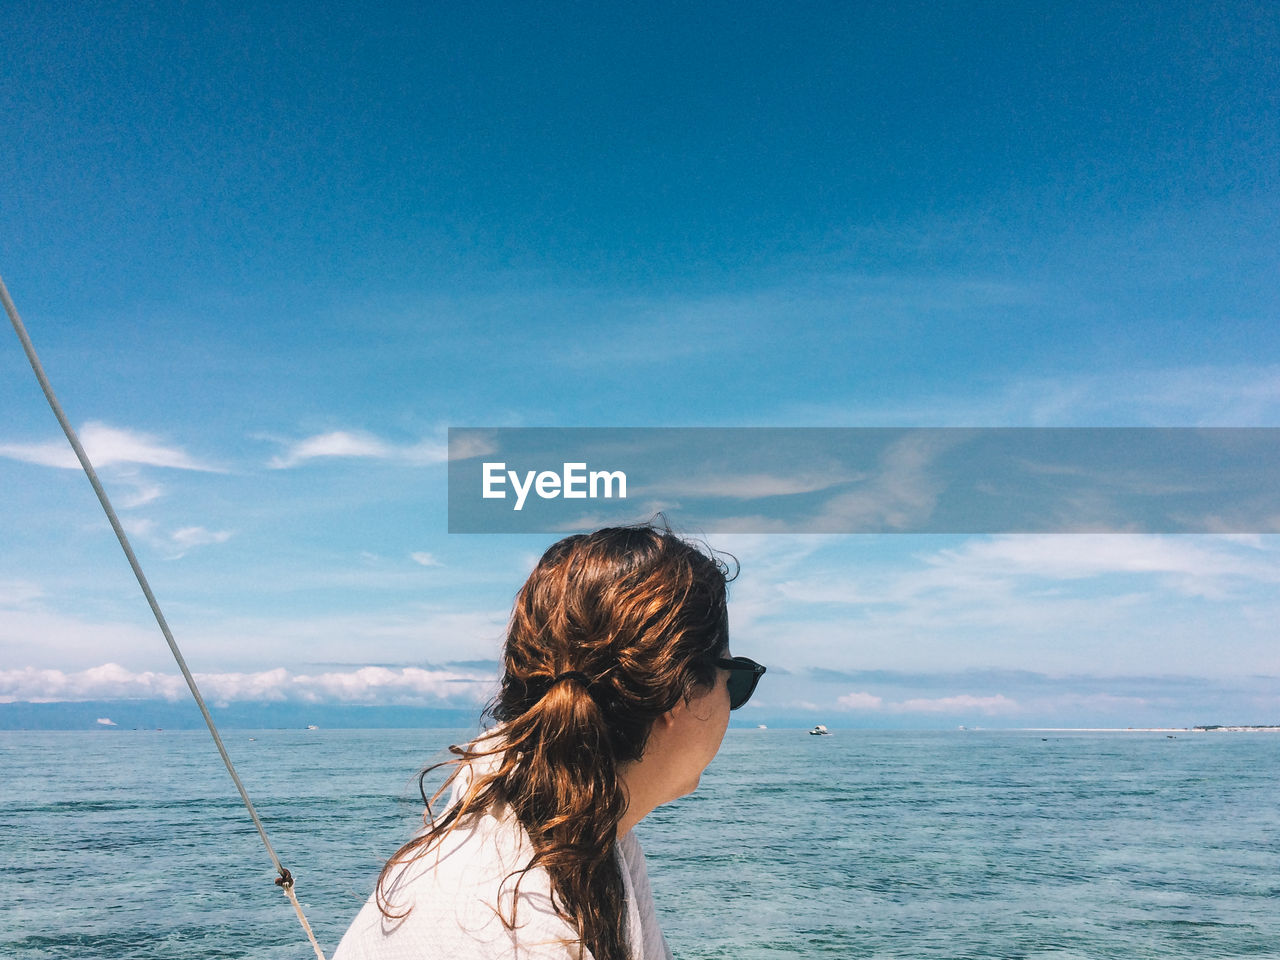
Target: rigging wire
pixel 285 879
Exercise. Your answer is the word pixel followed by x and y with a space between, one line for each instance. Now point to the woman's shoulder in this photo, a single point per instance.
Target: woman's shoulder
pixel 453 895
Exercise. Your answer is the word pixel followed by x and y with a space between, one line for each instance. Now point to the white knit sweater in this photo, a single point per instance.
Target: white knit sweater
pixel 456 889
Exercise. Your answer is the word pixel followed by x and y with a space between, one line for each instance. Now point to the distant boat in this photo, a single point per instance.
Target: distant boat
pixel 312 726
pixel 762 727
pixel 819 731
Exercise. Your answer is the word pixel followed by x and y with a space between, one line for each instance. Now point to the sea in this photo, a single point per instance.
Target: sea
pixel 122 844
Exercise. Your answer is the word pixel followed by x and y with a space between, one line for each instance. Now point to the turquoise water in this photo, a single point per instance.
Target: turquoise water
pixel 124 844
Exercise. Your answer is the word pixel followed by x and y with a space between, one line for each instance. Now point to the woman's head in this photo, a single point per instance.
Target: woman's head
pixel 637 612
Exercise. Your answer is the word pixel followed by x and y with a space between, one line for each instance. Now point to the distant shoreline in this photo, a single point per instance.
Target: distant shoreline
pixel 1201 728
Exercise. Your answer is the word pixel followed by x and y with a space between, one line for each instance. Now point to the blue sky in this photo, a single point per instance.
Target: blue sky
pixel 270 254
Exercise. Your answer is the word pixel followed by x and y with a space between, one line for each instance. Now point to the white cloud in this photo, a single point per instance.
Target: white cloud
pixel 900 494
pixel 764 560
pixel 108 681
pixel 356 444
pixel 33 633
pixel 860 701
pixel 1240 395
pixel 1058 603
pixel 187 537
pixel 106 721
pixel 140 527
pixel 472 444
pixel 961 703
pixel 15 593
pixel 1002 569
pixel 1095 702
pixel 361 685
pixel 751 486
pixel 177 543
pixel 424 559
pixel 1069 703
pixel 384 685
pixel 1090 555
pixel 338 443
pixel 143 492
pixel 106 446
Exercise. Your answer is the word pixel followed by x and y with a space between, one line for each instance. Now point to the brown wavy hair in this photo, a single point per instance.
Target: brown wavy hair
pixel 638 612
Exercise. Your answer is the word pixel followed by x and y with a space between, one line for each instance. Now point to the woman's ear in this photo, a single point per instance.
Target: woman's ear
pixel 672 716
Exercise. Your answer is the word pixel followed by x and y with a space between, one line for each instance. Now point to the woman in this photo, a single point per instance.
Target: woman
pixel 616 693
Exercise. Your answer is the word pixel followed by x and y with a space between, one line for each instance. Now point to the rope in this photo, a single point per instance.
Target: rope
pixel 285 883
pixel 285 880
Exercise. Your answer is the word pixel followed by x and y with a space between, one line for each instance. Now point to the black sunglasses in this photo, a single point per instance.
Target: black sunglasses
pixel 744 674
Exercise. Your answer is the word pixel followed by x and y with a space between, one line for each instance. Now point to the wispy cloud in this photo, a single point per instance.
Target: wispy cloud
pixel 15 593
pixel 860 701
pixel 1038 698
pixel 472 443
pixel 337 443
pixel 107 446
pixel 1238 395
pixel 362 685
pixel 901 492
pixel 957 704
pixel 990 567
pixel 1094 555
pixel 175 544
pixel 36 632
pixel 357 444
pixel 1116 603
pixel 751 486
pixel 961 703
pixel 140 493
pixel 187 537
